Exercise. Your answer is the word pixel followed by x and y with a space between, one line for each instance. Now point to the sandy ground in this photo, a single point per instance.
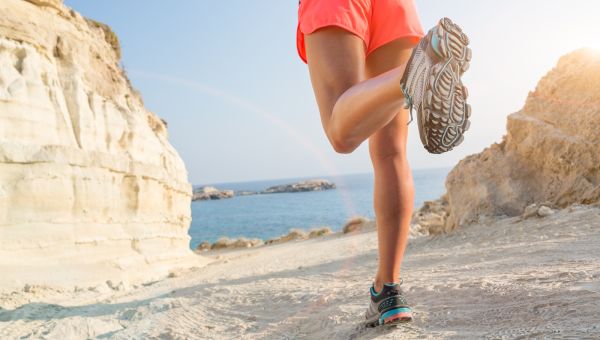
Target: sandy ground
pixel 507 279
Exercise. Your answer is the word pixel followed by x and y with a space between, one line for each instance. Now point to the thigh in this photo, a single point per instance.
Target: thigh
pixel 391 139
pixel 336 61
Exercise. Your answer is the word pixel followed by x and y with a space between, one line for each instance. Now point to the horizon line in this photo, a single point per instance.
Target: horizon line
pixel 305 176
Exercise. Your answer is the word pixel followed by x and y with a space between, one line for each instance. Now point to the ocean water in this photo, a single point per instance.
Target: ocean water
pixel 268 216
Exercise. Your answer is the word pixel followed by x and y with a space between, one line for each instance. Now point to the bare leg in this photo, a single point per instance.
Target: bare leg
pixel 394 190
pixel 360 99
pixel 352 107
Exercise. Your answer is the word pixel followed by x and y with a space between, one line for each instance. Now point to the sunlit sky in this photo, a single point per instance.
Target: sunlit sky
pixel 226 77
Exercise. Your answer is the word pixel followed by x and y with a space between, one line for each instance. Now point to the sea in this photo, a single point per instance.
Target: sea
pixel 271 215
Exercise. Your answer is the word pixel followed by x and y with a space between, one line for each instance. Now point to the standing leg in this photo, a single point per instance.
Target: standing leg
pixel 394 191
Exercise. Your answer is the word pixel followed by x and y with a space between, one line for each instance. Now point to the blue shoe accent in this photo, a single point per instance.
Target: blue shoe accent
pixel 373 291
pixel 435 43
pixel 393 312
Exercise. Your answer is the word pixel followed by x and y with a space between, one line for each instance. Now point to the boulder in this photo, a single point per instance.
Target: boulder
pixel 358 223
pixel 222 243
pixel 293 234
pixel 203 246
pixel 530 211
pixel 242 242
pixel 544 211
pixel 551 151
pixel 430 219
pixel 318 232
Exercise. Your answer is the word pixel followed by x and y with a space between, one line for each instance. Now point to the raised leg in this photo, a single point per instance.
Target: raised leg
pixel 352 105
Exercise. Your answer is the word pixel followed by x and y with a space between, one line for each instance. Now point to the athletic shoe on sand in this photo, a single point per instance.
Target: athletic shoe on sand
pixel 431 85
pixel 387 306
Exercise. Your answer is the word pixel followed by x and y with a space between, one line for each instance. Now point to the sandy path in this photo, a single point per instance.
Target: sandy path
pixel 539 277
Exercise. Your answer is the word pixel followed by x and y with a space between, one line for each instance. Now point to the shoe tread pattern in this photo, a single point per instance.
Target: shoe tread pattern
pixel 444 108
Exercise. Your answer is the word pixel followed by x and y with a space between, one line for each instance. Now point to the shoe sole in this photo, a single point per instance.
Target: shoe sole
pixel 394 316
pixel 443 116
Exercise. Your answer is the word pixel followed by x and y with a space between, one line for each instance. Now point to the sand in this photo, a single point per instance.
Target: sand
pixel 504 279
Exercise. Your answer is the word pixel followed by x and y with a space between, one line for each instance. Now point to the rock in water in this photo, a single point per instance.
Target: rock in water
pixel 311 185
pixel 90 188
pixel 211 193
pixel 551 151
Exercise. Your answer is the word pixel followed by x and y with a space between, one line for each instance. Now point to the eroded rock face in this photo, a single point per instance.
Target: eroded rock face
pixel 551 152
pixel 50 3
pixel 90 188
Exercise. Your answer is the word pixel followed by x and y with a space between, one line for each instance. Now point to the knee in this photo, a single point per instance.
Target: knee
pixel 388 151
pixel 342 146
pixel 340 143
pixel 389 143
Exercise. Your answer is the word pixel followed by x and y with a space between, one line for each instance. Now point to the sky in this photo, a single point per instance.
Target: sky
pixel 226 77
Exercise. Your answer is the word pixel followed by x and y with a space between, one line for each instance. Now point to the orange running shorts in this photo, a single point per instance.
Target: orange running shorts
pixel 376 22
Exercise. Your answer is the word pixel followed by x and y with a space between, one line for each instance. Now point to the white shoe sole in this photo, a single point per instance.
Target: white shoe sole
pixel 443 115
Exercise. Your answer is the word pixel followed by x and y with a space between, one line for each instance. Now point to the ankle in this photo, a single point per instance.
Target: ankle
pixel 377 285
pixel 379 282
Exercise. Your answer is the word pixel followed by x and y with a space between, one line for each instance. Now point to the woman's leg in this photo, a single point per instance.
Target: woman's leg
pixel 352 107
pixel 394 191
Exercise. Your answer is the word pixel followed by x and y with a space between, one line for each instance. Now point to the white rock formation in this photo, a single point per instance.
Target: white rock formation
pixel 90 188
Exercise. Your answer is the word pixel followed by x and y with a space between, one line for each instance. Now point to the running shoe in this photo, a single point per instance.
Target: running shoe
pixel 388 306
pixel 432 86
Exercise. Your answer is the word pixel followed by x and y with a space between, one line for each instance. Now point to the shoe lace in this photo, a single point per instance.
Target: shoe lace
pixel 408 103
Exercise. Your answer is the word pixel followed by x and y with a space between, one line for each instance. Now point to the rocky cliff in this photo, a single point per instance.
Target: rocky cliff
pixel 90 188
pixel 551 152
